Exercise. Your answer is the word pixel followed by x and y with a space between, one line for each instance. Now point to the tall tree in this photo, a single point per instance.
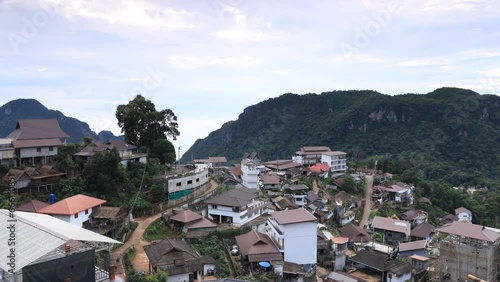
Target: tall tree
pixel 142 124
pixel 164 150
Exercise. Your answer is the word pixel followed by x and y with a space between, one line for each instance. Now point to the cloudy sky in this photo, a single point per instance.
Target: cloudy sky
pixel 208 60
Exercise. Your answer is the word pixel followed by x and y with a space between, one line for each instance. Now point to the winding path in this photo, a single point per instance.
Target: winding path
pixel 368 201
pixel 140 261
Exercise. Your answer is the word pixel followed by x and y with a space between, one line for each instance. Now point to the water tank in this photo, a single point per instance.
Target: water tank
pixel 52 199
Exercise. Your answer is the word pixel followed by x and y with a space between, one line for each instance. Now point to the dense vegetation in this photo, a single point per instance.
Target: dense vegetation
pixel 447 130
pixel 30 108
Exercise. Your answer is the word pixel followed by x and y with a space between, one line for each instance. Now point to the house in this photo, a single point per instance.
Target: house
pixel 281 165
pixel 256 247
pixel 336 160
pixel 212 162
pixel 309 155
pixel 284 203
pixel 295 234
pixel 412 248
pixel 238 206
pixel 356 234
pixel 7 155
pixel 48 249
pixel 395 193
pixel 36 140
pixel 32 206
pixel 389 270
pixel 393 231
pixel 178 260
pixel 423 231
pixel 319 169
pixel 106 220
pixel 127 152
pixel 463 215
pixel 449 219
pixel 75 209
pixel 270 181
pixel 344 208
pixel 192 224
pixel 414 217
pixel 339 247
pixel 250 173
pixel 298 192
pixel 466 248
pixel 34 178
pixel 420 265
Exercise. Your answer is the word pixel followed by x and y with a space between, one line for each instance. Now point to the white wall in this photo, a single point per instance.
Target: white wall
pixel 463 216
pixel 250 177
pixel 402 278
pixel 178 277
pixel 82 217
pixel 185 183
pixel 31 152
pixel 301 243
pixel 206 267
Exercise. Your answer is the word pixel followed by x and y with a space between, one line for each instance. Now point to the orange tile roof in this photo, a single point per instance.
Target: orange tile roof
pixel 72 205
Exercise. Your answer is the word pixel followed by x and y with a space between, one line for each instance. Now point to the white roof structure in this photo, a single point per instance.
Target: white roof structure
pixel 37 235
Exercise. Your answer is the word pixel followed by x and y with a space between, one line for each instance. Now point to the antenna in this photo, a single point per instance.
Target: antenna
pixel 179 162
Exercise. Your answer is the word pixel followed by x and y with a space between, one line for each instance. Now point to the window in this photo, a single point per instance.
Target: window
pixel 87 211
pixel 178 184
pixel 76 215
pixel 38 150
pixel 190 182
pixel 214 206
pixel 197 180
pixel 51 149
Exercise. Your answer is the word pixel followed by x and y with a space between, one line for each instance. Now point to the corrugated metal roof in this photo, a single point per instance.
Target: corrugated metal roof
pixel 38 234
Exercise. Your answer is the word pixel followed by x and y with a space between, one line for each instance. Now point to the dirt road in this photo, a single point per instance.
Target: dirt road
pixel 368 202
pixel 140 261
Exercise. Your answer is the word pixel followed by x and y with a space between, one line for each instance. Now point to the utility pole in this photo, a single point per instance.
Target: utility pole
pixel 179 161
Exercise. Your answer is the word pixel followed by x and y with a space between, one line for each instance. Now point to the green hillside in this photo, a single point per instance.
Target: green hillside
pixel 450 127
pixel 31 108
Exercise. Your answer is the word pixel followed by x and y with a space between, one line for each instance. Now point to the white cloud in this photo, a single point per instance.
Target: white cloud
pixel 354 59
pixel 198 61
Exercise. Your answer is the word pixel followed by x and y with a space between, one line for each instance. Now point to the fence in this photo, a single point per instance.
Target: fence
pixel 192 198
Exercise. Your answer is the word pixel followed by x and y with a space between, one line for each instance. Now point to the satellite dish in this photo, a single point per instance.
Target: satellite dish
pixel 73 269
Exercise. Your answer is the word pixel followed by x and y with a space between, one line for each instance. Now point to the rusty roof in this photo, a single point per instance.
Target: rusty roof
pixel 72 205
pixel 107 212
pixel 293 216
pixel 28 129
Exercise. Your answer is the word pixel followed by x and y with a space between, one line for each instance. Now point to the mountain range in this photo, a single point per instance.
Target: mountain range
pixel 456 127
pixel 31 109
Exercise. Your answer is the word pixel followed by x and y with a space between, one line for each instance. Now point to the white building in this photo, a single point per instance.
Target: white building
pixel 250 176
pixel 6 151
pixel 463 215
pixel 237 206
pixel 309 155
pixel 336 160
pixel 295 234
pixel 75 209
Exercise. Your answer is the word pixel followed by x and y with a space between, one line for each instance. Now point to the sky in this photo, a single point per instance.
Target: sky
pixel 209 60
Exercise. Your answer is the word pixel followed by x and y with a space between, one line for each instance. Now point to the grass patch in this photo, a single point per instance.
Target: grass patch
pixel 158 230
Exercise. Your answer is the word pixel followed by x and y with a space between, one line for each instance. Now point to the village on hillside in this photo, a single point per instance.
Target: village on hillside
pixel 309 217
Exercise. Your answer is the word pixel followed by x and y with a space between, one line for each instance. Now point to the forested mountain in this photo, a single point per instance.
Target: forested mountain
pixel 31 108
pixel 447 129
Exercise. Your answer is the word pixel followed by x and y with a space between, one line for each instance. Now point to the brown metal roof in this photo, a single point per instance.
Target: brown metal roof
pixel 217 159
pixel 410 246
pixel 200 223
pixel 238 197
pixel 257 245
pixel 422 230
pixel 470 230
pixel 334 153
pixel 107 212
pixel 385 223
pixel 36 143
pixel 27 129
pixel 356 234
pixel 270 178
pixel 120 145
pixel 460 210
pixel 313 149
pixel 32 206
pixel 293 216
pixel 186 216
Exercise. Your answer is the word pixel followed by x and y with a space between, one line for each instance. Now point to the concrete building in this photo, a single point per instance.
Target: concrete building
pixel 75 209
pixel 250 174
pixel 463 215
pixel 309 155
pixel 183 185
pixel 466 248
pixel 295 234
pixel 336 160
pixel 393 231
